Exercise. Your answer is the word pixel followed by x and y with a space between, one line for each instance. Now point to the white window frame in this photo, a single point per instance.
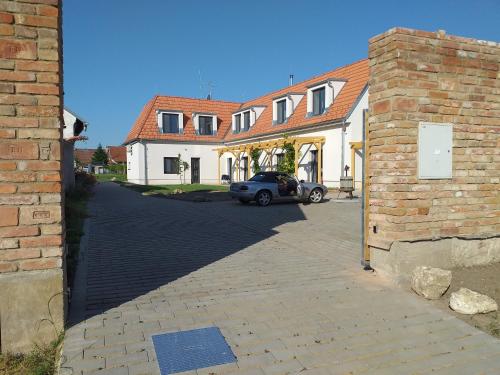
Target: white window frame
pixel 332 89
pixel 159 115
pixel 292 101
pixel 255 113
pixel 196 122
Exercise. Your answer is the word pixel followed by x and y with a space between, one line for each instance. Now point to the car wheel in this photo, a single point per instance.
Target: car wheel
pixel 316 196
pixel 244 201
pixel 263 198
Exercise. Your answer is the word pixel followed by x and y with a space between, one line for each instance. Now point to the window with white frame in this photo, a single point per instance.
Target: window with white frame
pixel 170 122
pixel 281 111
pixel 237 123
pixel 170 165
pixel 319 104
pixel 284 106
pixel 205 123
pixel 321 96
pixel 244 119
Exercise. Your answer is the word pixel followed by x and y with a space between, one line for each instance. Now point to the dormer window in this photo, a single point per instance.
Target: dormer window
pixel 170 122
pixel 244 119
pixel 320 96
pixel 318 101
pixel 205 123
pixel 284 106
pixel 281 111
pixel 237 123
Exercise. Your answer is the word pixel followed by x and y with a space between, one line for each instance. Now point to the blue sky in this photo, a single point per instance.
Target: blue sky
pixel 119 53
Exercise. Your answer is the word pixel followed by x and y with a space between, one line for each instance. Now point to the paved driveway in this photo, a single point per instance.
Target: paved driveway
pixel 283 283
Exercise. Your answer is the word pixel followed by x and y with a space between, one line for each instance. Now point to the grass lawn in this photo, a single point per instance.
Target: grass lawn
pixel 40 361
pixel 110 176
pixel 169 189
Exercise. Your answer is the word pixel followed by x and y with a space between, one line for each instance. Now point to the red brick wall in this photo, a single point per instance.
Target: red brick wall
pixel 423 76
pixel 30 136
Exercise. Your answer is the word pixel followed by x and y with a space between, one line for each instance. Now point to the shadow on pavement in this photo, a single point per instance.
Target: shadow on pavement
pixel 138 243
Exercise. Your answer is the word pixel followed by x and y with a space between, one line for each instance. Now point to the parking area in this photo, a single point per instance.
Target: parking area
pixel 283 283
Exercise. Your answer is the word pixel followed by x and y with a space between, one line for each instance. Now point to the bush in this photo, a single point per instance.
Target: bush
pixel 116 168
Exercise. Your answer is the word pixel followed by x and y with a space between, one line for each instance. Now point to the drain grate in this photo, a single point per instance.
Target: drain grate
pixel 191 350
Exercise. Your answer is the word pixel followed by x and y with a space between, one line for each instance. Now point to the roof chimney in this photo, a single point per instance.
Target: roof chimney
pixel 209 96
pixel 290 80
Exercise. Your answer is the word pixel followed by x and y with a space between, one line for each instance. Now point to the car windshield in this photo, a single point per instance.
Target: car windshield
pixel 262 177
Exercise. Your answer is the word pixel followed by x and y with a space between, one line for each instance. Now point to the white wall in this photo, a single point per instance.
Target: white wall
pixel 155 152
pixel 135 163
pixel 68 162
pixel 69 121
pixel 355 134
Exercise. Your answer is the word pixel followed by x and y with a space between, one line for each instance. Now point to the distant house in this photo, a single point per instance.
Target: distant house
pixel 117 154
pixel 83 158
pixel 74 125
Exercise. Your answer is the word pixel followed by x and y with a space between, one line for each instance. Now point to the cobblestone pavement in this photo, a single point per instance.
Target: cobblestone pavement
pixel 283 283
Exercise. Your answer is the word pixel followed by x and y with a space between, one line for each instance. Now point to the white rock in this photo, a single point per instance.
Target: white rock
pixel 466 301
pixel 429 282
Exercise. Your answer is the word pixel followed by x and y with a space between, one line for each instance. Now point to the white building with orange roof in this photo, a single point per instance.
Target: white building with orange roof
pixel 320 117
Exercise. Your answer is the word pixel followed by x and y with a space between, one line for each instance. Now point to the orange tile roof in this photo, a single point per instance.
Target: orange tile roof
pixel 355 75
pixel 84 155
pixel 117 154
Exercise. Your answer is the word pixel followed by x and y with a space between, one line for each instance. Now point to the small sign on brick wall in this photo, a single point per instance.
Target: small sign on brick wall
pixel 435 149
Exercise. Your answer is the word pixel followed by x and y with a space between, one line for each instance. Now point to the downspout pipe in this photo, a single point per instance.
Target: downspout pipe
pixel 342 157
pixel 145 163
pixel 364 263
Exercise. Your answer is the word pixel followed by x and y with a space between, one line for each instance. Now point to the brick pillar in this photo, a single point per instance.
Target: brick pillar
pixel 415 77
pixel 31 229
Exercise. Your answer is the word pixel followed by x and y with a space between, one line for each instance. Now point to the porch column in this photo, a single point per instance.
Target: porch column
pixel 238 166
pixel 218 166
pixel 320 162
pixel 270 159
pixel 248 150
pixel 353 164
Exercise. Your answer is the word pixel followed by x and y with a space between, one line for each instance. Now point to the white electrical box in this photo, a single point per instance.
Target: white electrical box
pixel 435 149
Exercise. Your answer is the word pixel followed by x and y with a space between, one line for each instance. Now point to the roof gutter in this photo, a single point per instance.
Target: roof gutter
pixel 313 127
pixel 342 155
pixel 145 162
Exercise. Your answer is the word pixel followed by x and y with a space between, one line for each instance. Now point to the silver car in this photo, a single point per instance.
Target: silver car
pixel 267 186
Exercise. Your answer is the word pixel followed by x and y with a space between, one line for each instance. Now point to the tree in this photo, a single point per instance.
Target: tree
pixel 287 164
pixel 181 167
pixel 100 157
pixel 255 155
pixel 78 166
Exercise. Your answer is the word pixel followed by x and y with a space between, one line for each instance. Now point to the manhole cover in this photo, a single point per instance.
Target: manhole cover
pixel 190 350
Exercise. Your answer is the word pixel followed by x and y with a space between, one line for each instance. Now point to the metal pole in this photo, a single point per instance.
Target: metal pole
pixel 364 262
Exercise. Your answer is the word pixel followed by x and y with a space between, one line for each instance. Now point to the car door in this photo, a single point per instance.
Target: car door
pixel 272 184
pixel 287 187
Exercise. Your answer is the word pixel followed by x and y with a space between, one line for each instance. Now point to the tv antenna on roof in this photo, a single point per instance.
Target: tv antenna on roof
pixel 210 86
pixel 207 87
